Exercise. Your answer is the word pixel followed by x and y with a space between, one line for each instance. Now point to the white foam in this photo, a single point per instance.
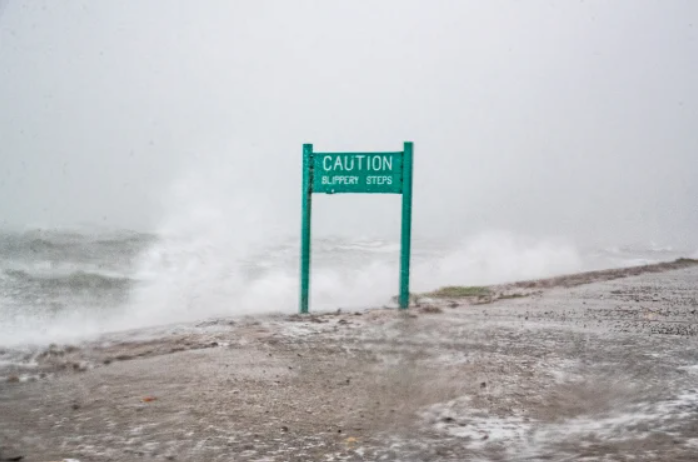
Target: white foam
pixel 692 369
pixel 528 438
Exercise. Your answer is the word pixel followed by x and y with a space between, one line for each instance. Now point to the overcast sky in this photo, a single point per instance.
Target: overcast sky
pixel 574 117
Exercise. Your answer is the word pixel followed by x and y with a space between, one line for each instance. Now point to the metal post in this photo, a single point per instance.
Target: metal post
pixel 406 226
pixel 305 226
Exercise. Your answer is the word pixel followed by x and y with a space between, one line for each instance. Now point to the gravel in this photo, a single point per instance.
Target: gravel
pixel 587 367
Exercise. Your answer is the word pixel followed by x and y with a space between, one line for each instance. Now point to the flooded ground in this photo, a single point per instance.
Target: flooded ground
pixel 602 366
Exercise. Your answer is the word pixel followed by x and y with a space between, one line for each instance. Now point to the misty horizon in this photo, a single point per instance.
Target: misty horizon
pixel 576 120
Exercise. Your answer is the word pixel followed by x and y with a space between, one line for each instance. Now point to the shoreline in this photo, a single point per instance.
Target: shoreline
pixel 47 359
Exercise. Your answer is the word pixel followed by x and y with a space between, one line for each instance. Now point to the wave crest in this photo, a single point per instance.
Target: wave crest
pixel 77 280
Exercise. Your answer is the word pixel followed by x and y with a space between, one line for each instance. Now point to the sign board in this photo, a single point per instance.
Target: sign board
pixel 357 172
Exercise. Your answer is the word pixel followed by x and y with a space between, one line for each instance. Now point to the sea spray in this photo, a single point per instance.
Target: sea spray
pixel 496 257
pixel 224 247
pixel 205 267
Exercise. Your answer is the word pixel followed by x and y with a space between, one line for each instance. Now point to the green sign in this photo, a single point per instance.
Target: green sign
pixel 357 172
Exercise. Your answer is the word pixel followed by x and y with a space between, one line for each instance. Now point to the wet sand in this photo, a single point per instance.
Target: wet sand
pixel 599 366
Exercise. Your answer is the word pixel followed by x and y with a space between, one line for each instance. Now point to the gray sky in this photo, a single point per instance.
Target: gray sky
pixel 568 118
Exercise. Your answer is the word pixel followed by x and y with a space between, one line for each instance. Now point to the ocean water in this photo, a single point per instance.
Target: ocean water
pixel 70 285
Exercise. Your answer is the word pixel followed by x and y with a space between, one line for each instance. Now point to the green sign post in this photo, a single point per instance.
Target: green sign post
pixel 357 172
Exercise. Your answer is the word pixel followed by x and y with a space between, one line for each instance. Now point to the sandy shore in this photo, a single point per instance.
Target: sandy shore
pixel 601 366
